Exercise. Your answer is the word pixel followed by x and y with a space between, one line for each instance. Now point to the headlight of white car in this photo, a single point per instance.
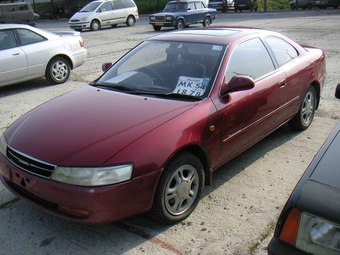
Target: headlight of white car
pixel 3 145
pixel 93 176
pixel 83 19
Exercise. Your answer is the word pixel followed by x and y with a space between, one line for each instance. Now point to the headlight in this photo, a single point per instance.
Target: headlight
pixel 152 17
pixel 318 236
pixel 311 234
pixel 3 145
pixel 83 19
pixel 169 17
pixel 92 176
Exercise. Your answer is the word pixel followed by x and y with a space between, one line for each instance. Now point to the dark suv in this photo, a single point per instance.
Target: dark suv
pixel 180 14
pixel 240 5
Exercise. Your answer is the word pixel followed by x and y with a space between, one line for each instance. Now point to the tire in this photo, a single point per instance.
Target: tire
pixel 115 25
pixel 156 28
pixel 95 25
pixel 58 70
pixel 303 119
pixel 130 21
pixel 206 22
pixel 179 189
pixel 180 24
pixel 79 30
pixel 292 7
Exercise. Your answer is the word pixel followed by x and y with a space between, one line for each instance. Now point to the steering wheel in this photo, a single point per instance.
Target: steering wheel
pixel 156 77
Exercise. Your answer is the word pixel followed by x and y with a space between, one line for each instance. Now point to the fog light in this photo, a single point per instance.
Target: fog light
pixel 75 212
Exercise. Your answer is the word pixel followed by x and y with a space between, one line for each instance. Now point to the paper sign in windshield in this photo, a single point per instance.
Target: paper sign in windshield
pixel 191 86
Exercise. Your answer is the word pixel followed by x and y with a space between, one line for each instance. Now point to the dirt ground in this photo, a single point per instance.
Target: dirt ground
pixel 237 214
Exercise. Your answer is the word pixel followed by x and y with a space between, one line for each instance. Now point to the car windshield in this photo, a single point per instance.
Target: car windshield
pixel 91 7
pixel 174 7
pixel 170 69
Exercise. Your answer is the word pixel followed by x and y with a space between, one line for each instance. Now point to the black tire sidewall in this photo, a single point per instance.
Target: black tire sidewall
pixel 159 211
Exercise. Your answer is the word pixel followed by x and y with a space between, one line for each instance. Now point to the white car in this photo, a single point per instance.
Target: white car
pixel 98 14
pixel 28 53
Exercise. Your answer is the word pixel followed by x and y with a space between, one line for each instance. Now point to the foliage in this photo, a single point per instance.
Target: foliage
pixel 150 6
pixel 273 5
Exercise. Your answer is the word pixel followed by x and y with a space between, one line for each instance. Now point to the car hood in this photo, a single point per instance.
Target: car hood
pixel 80 15
pixel 88 126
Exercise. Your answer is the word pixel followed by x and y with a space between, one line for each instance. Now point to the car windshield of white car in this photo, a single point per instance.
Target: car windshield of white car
pixel 165 68
pixel 91 7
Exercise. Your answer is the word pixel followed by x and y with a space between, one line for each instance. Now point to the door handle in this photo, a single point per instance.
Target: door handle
pixel 16 53
pixel 282 83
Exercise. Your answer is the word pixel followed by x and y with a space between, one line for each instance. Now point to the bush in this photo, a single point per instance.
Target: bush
pixel 150 6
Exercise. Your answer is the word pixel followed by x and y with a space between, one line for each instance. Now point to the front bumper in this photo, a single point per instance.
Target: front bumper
pixel 163 23
pixel 103 204
pixel 79 25
pixel 277 247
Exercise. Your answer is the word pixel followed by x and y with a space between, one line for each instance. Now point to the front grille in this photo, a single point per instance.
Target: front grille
pixel 30 164
pixel 159 18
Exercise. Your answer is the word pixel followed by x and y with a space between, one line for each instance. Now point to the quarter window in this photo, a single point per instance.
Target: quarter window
pixel 282 50
pixel 250 58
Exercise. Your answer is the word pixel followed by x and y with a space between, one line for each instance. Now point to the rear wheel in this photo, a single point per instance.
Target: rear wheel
pixel 130 21
pixel 206 22
pixel 95 25
pixel 58 70
pixel 303 119
pixel 179 189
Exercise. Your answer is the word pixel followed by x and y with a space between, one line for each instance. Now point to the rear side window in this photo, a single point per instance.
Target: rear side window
pixel 129 3
pixel 250 58
pixel 28 37
pixel 282 50
pixel 118 5
pixel 106 7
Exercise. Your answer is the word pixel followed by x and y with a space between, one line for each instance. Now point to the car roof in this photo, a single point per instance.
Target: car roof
pixel 221 35
pixel 9 26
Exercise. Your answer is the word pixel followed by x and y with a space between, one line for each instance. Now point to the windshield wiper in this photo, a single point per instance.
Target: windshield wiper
pixel 176 95
pixel 112 86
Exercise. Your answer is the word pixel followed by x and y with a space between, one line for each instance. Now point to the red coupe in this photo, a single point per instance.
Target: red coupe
pixel 148 133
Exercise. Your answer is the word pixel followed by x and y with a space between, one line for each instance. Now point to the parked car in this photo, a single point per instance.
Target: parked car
pixel 310 221
pixel 16 13
pixel 240 5
pixel 36 16
pixel 98 14
pixel 180 14
pixel 302 4
pixel 221 5
pixel 148 134
pixel 29 53
pixel 58 13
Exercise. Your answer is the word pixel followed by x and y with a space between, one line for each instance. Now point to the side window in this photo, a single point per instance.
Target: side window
pixel 199 5
pixel 7 40
pixel 23 8
pixel 282 50
pixel 191 6
pixel 106 7
pixel 28 37
pixel 118 5
pixel 129 3
pixel 249 58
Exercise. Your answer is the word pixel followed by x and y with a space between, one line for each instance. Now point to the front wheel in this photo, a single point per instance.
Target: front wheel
pixel 179 189
pixel 206 22
pixel 95 25
pixel 180 24
pixel 58 70
pixel 156 28
pixel 303 119
pixel 130 21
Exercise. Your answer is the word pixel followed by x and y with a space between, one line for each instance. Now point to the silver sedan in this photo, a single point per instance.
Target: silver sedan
pixel 29 53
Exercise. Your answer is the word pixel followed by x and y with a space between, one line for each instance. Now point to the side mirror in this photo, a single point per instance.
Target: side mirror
pixel 237 83
pixel 106 66
pixel 337 91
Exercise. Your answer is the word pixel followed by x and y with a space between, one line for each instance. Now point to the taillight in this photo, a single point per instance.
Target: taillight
pixel 81 43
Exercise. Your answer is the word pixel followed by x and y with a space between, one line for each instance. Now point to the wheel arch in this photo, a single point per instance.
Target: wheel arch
pixel 317 88
pixel 62 56
pixel 202 155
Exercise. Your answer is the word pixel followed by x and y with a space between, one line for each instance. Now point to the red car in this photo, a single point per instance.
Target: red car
pixel 148 133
